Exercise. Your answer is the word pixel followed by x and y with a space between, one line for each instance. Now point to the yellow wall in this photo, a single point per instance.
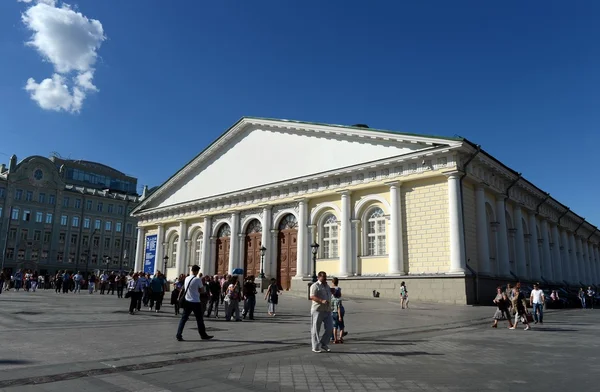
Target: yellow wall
pixel 373 265
pixel 332 267
pixel 470 223
pixel 333 198
pixel 425 229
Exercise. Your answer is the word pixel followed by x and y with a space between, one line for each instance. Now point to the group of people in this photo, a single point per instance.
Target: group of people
pixel 28 280
pixel 586 297
pixel 512 301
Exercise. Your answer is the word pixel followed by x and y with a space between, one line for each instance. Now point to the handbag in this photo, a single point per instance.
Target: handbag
pixel 181 300
pixel 529 317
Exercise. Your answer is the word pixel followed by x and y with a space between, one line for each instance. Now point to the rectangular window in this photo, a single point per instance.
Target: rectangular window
pixel 39 217
pixel 110 208
pixel 10 253
pixel 15 214
pixel 21 254
pixel 127 244
pixel 61 238
pixel 26 215
pixel 86 223
pixel 73 239
pixel 51 199
pixel 2 192
pixel 97 224
pixel 108 225
pixel 118 227
pixel 129 228
pixel 24 234
pixel 65 201
pixel 18 194
pixel 34 255
pixel 63 220
pixel 44 255
pixel 120 210
pixel 94 259
pixel 59 257
pixel 75 221
pixel 12 234
pixel 37 235
pixel 85 240
pixel 117 243
pixel 99 207
pixel 29 196
pixel 96 242
pixel 77 203
pixel 41 198
pixel 107 242
pixel 88 205
pixel 47 236
pixel 48 218
pixel 0 212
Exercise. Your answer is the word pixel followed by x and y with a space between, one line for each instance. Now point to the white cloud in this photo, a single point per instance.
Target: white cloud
pixel 70 42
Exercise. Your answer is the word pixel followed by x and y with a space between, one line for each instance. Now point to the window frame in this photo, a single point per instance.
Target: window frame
pixel 377 234
pixel 330 246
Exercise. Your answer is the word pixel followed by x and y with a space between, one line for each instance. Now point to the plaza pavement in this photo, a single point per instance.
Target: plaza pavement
pixel 52 342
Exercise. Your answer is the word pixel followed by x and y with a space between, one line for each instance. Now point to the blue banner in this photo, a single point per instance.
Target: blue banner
pixel 150 258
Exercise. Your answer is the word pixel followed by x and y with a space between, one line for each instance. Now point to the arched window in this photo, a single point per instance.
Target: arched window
pixel 173 243
pixel 376 232
pixel 329 238
pixel 197 251
pixel 289 222
pixel 224 231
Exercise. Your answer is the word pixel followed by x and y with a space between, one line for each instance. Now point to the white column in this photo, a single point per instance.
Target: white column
pixel 580 260
pixel 557 272
pixel 212 263
pixel 234 246
pixel 574 267
pixel 546 256
pixel 266 238
pixel 597 264
pixel 140 250
pixel 564 251
pixel 533 244
pixel 312 232
pixel 273 259
pixel 160 248
pixel 483 242
pixel 345 234
pixel 355 242
pixel 587 261
pixel 302 261
pixel 396 253
pixel 519 243
pixel 457 249
pixel 181 248
pixel 206 248
pixel 503 265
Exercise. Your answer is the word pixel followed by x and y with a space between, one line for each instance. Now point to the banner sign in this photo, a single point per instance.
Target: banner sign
pixel 150 258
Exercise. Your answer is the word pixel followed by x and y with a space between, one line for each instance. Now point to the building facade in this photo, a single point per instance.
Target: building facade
pixel 58 214
pixel 439 213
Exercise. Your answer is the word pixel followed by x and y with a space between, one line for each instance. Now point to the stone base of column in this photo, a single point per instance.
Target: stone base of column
pixel 396 274
pixel 457 273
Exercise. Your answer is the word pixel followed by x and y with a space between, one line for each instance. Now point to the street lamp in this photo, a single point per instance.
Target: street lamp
pixel 315 249
pixel 166 259
pixel 263 251
pixel 107 258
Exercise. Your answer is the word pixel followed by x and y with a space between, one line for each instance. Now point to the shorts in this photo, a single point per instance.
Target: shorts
pixel 337 324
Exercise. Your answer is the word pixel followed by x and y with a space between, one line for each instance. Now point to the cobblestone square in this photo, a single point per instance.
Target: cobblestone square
pixel 84 342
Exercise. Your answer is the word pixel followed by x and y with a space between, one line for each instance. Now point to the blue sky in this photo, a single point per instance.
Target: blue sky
pixel 519 78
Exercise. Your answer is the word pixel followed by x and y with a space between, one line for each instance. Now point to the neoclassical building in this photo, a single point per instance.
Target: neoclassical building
pixel 439 213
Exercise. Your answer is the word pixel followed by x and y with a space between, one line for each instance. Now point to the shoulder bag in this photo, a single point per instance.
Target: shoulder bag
pixel 181 300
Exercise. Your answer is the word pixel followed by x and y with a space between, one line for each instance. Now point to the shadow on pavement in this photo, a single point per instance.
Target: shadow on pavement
pixel 15 362
pixel 404 354
pixel 543 329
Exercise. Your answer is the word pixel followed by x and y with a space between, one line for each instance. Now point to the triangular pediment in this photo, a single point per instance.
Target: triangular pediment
pixel 257 152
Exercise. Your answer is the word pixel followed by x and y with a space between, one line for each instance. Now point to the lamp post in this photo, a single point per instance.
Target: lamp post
pixel 107 258
pixel 263 251
pixel 315 249
pixel 166 259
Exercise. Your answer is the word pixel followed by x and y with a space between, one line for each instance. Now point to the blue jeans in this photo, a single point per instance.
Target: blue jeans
pixel 538 308
pixel 188 309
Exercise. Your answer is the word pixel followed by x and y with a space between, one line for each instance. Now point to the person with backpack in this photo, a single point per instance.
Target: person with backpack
pixel 189 300
pixel 249 298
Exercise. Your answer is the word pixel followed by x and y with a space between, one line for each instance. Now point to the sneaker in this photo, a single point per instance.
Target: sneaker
pixel 512 328
pixel 206 337
pixel 316 350
pixel 325 348
pixel 527 328
pixel 179 338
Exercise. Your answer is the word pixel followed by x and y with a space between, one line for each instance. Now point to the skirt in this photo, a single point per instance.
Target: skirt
pixel 499 315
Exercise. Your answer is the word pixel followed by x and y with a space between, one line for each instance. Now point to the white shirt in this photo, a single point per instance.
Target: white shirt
pixel 537 296
pixel 193 289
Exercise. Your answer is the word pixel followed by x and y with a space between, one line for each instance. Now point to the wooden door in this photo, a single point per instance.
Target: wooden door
pixel 223 244
pixel 222 264
pixel 252 254
pixel 287 251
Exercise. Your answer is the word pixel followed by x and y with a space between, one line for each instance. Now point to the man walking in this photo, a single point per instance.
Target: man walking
pixel 214 288
pixel 249 293
pixel 320 313
pixel 191 291
pixel 537 300
pixel 103 282
pixel 590 297
pixel 77 279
